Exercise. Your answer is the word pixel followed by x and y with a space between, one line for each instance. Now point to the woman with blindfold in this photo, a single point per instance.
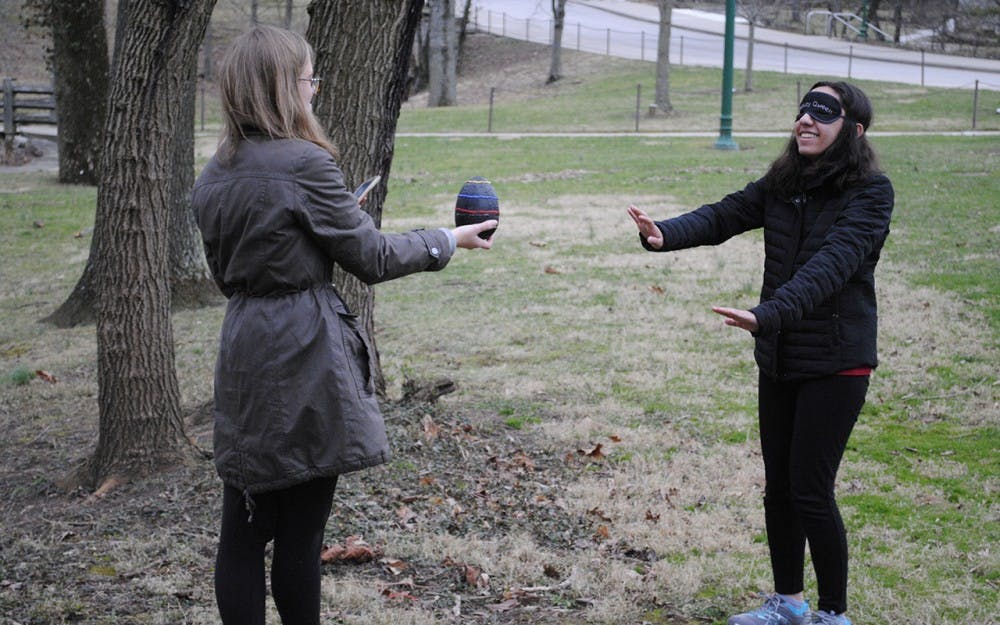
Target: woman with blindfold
pixel 824 207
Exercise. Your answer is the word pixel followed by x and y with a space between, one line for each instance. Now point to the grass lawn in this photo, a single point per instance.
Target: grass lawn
pixel 568 333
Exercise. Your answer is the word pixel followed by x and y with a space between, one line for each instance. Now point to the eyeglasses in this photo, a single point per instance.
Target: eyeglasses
pixel 313 82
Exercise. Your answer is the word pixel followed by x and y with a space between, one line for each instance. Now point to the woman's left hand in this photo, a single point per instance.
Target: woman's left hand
pixel 738 318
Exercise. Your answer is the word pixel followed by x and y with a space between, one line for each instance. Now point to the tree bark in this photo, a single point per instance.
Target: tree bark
pixel 360 108
pixel 662 99
pixel 442 57
pixel 190 282
pixel 141 427
pixel 558 24
pixel 748 77
pixel 80 68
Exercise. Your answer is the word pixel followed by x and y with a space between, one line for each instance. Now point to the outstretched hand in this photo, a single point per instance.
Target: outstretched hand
pixel 647 228
pixel 467 237
pixel 737 318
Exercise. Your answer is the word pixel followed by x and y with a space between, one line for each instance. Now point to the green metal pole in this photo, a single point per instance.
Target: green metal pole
pixel 863 34
pixel 725 140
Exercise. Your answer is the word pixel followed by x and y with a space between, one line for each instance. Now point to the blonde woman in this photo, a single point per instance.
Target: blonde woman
pixel 294 400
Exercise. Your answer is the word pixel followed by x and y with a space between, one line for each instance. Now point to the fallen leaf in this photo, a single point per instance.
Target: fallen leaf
pixel 657 289
pixel 394 595
pixel 599 514
pixel 405 517
pixel 595 453
pixel 395 566
pixel 354 551
pixel 552 270
pixel 615 439
pixel 537 243
pixel 551 571
pixel 106 487
pixel 671 492
pixel 431 429
pixel 521 459
pixel 652 517
pixel 475 577
pixel 45 375
pixel 602 532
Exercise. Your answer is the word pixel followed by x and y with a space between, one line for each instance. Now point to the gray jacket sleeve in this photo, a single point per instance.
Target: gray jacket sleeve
pixel 330 214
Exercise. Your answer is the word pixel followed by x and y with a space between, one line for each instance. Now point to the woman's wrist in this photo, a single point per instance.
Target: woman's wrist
pixel 451 239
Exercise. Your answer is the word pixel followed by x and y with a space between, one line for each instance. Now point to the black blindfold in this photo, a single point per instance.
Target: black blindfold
pixel 821 107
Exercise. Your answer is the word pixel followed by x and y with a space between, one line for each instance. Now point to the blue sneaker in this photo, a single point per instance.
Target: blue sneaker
pixel 821 617
pixel 775 611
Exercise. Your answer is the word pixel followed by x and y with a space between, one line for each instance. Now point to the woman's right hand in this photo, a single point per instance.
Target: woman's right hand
pixel 647 228
pixel 467 237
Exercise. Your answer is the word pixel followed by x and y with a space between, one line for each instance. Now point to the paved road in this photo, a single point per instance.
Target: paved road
pixel 629 30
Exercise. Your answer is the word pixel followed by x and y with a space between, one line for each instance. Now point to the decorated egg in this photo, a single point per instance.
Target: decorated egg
pixel 477 202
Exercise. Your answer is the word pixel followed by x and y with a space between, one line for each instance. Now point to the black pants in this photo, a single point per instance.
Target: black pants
pixel 804 427
pixel 295 519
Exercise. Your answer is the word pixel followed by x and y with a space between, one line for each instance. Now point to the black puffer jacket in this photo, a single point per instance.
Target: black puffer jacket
pixel 817 310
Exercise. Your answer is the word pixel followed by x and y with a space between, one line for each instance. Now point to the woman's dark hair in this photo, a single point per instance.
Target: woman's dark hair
pixel 848 161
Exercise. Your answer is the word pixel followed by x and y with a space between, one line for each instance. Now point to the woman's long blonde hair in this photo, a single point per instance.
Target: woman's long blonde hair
pixel 258 81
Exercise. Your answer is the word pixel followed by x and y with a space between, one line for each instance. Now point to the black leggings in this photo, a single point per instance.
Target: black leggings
pixel 804 427
pixel 295 519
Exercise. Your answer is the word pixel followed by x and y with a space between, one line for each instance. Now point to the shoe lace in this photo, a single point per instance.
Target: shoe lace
pixel 828 618
pixel 769 611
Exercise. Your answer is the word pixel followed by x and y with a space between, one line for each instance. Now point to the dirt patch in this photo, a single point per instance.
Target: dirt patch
pixel 144 552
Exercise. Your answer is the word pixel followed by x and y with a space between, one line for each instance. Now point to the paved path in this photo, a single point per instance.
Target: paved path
pixel 629 30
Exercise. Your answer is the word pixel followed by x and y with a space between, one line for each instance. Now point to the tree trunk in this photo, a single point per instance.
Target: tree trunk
pixel 796 11
pixel 897 20
pixel 141 427
pixel 748 78
pixel 462 31
pixel 873 10
pixel 207 64
pixel 663 58
pixel 80 68
pixel 417 74
pixel 558 23
pixel 442 59
pixel 360 108
pixel 191 283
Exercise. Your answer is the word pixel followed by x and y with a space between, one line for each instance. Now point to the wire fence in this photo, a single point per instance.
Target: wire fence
pixel 627 110
pixel 696 47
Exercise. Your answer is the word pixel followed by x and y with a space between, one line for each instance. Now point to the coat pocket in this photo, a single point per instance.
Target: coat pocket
pixel 357 351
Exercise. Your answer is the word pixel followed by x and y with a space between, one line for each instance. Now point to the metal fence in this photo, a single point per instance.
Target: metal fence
pixel 696 47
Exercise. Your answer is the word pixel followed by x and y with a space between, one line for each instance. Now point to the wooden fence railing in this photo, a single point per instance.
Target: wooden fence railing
pixel 26 105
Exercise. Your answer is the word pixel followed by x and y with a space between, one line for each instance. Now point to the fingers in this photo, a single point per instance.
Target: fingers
pixel 467 237
pixel 638 215
pixel 743 319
